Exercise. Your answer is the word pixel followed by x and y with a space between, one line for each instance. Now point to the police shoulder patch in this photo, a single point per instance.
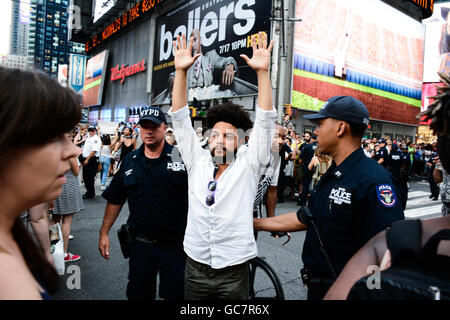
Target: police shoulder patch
pixel 386 195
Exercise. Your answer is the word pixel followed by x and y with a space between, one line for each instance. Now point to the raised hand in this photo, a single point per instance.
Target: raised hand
pixel 183 54
pixel 260 60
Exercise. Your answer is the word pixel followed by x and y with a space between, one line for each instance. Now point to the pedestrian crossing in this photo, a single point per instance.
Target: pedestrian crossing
pixel 420 206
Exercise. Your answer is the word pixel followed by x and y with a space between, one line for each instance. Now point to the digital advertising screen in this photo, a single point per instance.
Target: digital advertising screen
pixel 437 43
pixel 101 7
pixel 95 79
pixel 366 49
pixel 222 30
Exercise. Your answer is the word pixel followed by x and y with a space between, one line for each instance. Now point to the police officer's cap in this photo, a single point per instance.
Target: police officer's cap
pixel 153 114
pixel 344 108
pixel 381 141
pixel 91 128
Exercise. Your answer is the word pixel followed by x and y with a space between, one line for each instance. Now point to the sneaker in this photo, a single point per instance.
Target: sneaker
pixel 70 237
pixel 71 257
pixel 102 188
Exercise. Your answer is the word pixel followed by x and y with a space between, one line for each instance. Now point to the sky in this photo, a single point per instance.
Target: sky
pixel 5 25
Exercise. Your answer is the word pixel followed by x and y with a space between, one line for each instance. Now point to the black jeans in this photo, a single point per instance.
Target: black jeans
pixel 146 261
pixel 281 185
pixel 318 289
pixel 307 178
pixel 433 186
pixel 89 172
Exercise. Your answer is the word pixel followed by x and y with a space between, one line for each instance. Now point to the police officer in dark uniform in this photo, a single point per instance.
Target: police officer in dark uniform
pixel 399 163
pixel 431 163
pixel 354 200
pixel 382 155
pixel 154 180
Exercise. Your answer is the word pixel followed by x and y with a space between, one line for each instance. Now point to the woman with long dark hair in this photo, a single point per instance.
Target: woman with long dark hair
pixel 126 144
pixel 35 115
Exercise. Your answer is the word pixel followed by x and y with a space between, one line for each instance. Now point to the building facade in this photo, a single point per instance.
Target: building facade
pixel 367 55
pixel 14 61
pixel 48 46
pixel 19 28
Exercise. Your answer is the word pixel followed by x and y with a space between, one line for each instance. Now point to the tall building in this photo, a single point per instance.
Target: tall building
pixel 20 18
pixel 48 46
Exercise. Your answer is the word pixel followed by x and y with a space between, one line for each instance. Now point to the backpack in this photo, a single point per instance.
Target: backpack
pixel 416 273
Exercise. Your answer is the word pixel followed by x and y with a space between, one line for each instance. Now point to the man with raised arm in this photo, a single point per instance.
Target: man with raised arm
pixel 222 180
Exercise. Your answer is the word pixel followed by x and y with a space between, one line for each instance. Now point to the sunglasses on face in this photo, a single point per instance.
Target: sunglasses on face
pixel 210 200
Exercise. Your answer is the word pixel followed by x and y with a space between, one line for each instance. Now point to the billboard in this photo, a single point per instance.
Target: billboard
pixel 95 79
pixel 101 7
pixel 77 70
pixel 437 43
pixel 223 30
pixel 366 49
pixel 62 74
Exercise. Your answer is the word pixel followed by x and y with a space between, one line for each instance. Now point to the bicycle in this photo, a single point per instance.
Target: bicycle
pixel 261 271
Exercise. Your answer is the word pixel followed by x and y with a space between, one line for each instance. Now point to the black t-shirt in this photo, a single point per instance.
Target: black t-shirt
pixel 307 154
pixel 351 203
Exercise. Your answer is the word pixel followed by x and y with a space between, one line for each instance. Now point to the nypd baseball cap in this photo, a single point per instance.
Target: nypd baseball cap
pixel 344 108
pixel 153 114
pixel 381 140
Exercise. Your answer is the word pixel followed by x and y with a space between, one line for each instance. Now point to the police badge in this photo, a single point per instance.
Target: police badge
pixel 386 195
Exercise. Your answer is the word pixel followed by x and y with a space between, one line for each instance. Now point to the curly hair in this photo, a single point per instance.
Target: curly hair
pixel 230 113
pixel 439 114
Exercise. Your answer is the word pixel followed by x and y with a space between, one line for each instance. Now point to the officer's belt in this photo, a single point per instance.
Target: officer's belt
pixel 158 239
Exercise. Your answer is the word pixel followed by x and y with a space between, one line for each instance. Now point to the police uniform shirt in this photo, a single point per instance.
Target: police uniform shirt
pixel 92 144
pixel 156 189
pixel 406 161
pixel 352 202
pixel 382 153
pixel 395 162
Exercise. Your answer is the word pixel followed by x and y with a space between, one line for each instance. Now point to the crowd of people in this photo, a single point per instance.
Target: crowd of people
pixel 200 243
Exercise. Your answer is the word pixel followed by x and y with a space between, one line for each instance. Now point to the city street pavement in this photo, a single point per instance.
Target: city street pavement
pixel 107 279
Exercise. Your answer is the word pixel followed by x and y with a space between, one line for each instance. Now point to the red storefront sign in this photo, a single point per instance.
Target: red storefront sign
pixel 126 71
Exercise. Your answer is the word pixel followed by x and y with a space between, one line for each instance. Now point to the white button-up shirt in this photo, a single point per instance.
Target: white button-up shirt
pixel 221 235
pixel 92 144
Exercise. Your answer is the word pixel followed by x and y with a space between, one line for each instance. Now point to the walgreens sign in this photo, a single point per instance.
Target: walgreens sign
pixel 127 71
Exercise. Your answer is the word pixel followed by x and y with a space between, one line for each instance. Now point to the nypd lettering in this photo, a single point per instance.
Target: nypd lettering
pixel 340 195
pixel 176 166
pixel 128 172
pixel 395 157
pixel 149 112
pixel 386 195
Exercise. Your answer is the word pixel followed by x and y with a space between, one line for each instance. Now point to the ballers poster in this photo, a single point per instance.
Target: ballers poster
pixel 223 30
